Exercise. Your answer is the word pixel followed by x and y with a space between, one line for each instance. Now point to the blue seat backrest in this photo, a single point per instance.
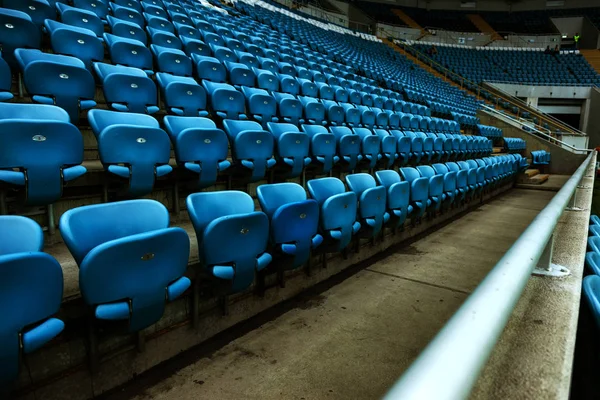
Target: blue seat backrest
pixel 126 251
pixel 31 291
pixel 591 290
pixel 19 235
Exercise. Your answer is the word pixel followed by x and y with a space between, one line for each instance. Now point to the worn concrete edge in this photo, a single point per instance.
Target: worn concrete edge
pixel 534 356
pixel 62 368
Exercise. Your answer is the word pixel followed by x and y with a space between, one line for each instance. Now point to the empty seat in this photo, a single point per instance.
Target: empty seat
pixel 41 150
pixel 199 147
pixel 240 74
pixel 352 115
pixel 127 89
pixel 224 221
pixel 182 95
pixel 124 13
pixel 57 80
pixel 39 11
pixel 209 68
pixel 173 61
pixel 291 147
pixel 348 146
pixel 335 113
pixel 388 149
pixel 127 30
pixel 129 52
pixel 322 146
pixel 164 39
pixel 77 42
pixel 130 261
pixel 370 146
pixel 252 147
pixel 436 186
pixel 591 292
pixel 294 220
pixel 419 190
pixel 31 291
pixel 338 212
pixel 98 7
pixel 314 111
pixel 225 101
pixel 290 108
pixel 5 81
pixel 80 18
pixel 398 197
pixel 371 203
pixel 133 147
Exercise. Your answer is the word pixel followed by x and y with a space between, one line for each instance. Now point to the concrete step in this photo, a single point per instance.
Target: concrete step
pixel 536 179
pixel 532 172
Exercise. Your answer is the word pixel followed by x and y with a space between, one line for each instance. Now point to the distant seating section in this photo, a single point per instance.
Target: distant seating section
pixel 514 145
pixel 540 157
pixel 249 93
pixel 526 66
pixel 490 132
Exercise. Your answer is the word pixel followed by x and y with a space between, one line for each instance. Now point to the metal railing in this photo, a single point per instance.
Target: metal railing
pixel 534 130
pixel 450 365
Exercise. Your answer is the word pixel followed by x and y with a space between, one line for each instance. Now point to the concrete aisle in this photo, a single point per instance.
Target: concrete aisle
pixel 354 340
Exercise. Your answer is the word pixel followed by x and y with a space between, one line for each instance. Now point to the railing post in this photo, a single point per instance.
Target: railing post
pixel 545 267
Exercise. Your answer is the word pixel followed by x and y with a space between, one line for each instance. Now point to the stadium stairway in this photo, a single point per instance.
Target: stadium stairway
pixel 483 26
pixel 593 57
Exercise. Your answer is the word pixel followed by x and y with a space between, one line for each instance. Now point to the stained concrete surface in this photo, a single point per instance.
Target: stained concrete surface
pixel 534 357
pixel 554 183
pixel 355 339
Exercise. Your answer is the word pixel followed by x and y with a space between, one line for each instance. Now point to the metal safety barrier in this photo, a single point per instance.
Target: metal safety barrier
pixel 450 365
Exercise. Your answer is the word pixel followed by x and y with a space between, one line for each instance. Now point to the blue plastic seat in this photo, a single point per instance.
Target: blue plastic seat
pixel 31 292
pixel 127 89
pixel 451 191
pixel 252 147
pixel 352 115
pixel 289 108
pixel 419 190
pixel 388 149
pixel 338 212
pixel 222 53
pixel 291 147
pixel 209 68
pixel 288 84
pixel 335 113
pixel 133 147
pixel 371 203
pixel 41 150
pixel 240 74
pixel 348 146
pixel 129 3
pixel 398 197
pixel 154 10
pixel 314 111
pixel 5 81
pixel 127 14
pixel 370 146
pixel 182 95
pixel 193 46
pixel 159 23
pixel 199 147
pixel 77 42
pixel 436 186
pixel 247 59
pixel 38 10
pixel 323 146
pixel 164 39
pixel 80 18
pixel 171 60
pixel 294 220
pixel 265 79
pixel 129 53
pixel 57 80
pixel 98 7
pixel 592 262
pixel 225 101
pixel 224 221
pixel 462 179
pixel 127 30
pixel 594 219
pixel 367 116
pixel 591 292
pixel 130 261
pixel 403 148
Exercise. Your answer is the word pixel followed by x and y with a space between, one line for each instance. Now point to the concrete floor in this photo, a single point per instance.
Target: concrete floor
pixel 554 183
pixel 353 340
